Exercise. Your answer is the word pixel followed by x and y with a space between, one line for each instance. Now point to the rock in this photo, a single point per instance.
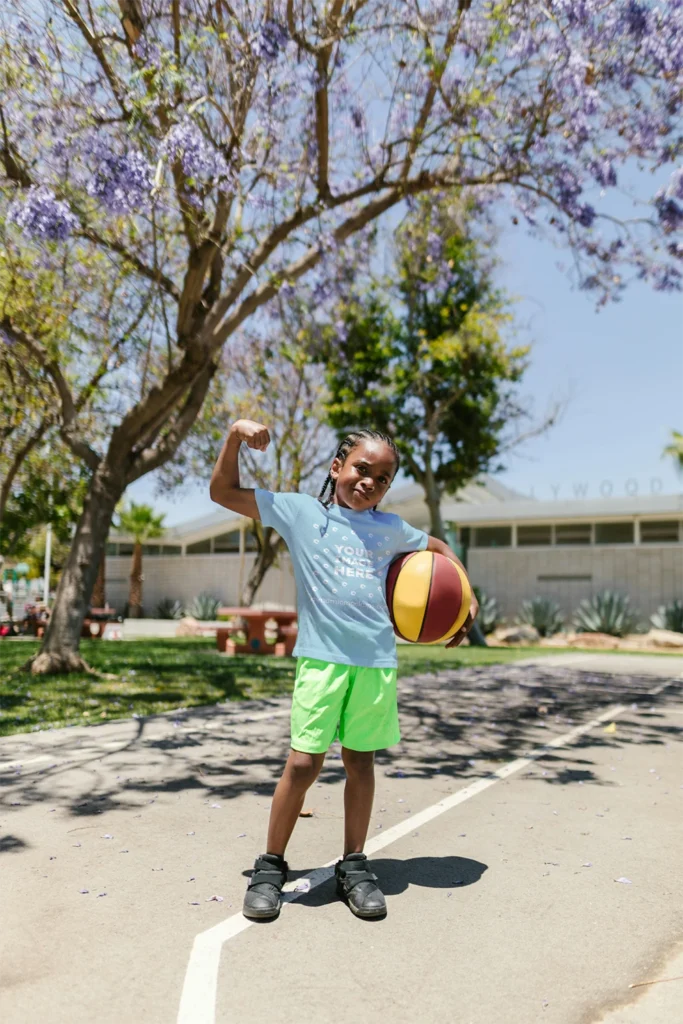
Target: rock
pixel 516 635
pixel 665 638
pixel 189 627
pixel 557 640
pixel 602 641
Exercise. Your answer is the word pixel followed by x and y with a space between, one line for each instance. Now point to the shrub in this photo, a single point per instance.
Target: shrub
pixel 169 609
pixel 606 612
pixel 543 614
pixel 669 616
pixel 204 607
pixel 489 613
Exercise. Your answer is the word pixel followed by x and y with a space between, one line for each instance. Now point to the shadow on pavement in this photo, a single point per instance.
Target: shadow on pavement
pixel 457 724
pixel 396 876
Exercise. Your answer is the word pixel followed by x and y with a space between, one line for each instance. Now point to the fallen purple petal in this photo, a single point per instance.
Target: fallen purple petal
pixel 189 833
pixel 106 836
pixel 84 891
pixel 241 835
pixel 216 899
pixel 626 881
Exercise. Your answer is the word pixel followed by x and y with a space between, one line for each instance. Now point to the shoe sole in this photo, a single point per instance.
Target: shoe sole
pixel 255 915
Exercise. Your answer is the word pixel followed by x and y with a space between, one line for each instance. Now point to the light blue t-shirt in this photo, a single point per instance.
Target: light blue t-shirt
pixel 340 559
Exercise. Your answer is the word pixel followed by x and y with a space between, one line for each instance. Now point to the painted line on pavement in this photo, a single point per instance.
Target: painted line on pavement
pixel 198 997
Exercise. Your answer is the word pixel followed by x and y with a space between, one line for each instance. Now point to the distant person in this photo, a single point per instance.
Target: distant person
pixel 341 548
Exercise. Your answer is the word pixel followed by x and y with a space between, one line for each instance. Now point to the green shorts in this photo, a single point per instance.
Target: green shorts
pixel 358 704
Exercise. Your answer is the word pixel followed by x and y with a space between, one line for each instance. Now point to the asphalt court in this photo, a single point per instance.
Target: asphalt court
pixel 492 909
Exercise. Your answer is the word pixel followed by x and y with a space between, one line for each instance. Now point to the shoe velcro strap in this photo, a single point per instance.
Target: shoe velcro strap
pixel 273 877
pixel 352 878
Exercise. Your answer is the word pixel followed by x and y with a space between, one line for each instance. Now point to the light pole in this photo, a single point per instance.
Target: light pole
pixel 46 569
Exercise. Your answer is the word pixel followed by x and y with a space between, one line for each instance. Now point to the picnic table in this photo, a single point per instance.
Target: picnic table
pixel 254 620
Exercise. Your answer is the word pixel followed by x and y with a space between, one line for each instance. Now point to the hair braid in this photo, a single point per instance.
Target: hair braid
pixel 346 446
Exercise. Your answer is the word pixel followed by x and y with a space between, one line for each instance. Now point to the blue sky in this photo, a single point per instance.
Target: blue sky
pixel 620 371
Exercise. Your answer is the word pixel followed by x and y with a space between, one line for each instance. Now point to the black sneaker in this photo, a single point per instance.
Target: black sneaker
pixel 358 887
pixel 262 898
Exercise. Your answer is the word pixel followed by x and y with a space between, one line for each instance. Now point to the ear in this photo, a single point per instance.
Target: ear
pixel 335 468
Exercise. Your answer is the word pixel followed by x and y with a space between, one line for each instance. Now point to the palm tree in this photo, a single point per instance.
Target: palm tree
pixel 675 449
pixel 141 524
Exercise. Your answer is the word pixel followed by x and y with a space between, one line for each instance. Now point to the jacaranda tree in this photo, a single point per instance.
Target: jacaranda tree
pixel 218 151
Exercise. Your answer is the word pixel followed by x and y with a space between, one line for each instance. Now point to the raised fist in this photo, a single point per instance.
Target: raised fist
pixel 255 435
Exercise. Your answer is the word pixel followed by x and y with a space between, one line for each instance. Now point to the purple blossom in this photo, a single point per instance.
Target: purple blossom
pixel 270 40
pixel 604 172
pixel 670 213
pixel 636 19
pixel 42 216
pixel 122 183
pixel 199 159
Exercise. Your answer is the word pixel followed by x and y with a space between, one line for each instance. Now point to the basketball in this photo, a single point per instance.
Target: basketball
pixel 428 595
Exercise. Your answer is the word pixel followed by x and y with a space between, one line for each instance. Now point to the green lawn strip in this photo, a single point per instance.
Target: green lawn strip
pixel 165 674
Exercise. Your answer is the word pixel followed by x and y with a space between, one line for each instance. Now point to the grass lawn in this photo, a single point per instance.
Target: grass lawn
pixel 160 675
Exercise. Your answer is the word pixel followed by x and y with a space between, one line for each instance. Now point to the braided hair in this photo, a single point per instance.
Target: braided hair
pixel 346 446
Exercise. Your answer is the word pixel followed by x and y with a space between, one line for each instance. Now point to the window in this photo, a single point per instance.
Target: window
pixel 125 549
pixel 659 531
pixel 531 536
pixel 202 547
pixel 614 533
pixel 465 536
pixel 168 549
pixel 112 549
pixel 151 549
pixel 227 542
pixel 493 537
pixel 573 533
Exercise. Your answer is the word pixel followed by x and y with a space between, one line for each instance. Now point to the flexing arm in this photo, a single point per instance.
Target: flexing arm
pixel 225 488
pixel 434 544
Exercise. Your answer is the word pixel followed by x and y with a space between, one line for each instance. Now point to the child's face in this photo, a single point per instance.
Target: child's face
pixel 365 477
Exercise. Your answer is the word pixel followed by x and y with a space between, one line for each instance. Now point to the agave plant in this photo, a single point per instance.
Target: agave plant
pixel 606 612
pixel 204 607
pixel 169 609
pixel 543 614
pixel 489 612
pixel 669 616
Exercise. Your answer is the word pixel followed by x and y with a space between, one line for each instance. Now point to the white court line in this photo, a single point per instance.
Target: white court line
pixel 198 997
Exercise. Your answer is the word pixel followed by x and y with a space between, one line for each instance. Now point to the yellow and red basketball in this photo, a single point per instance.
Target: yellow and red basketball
pixel 428 595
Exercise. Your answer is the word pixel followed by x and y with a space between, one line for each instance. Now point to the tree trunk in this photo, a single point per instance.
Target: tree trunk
pixel 99 594
pixel 59 650
pixel 135 592
pixel 270 548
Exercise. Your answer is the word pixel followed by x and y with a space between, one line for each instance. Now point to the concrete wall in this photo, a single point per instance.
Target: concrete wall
pixel 650 574
pixel 183 578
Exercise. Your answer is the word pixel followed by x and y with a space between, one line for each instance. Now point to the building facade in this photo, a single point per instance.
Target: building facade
pixel 515 548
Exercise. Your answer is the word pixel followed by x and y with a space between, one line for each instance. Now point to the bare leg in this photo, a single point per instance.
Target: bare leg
pixel 359 793
pixel 300 773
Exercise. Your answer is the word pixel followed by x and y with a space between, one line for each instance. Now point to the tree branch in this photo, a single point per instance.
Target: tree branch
pixel 150 273
pixel 20 458
pixel 152 458
pixel 68 410
pixel 96 47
